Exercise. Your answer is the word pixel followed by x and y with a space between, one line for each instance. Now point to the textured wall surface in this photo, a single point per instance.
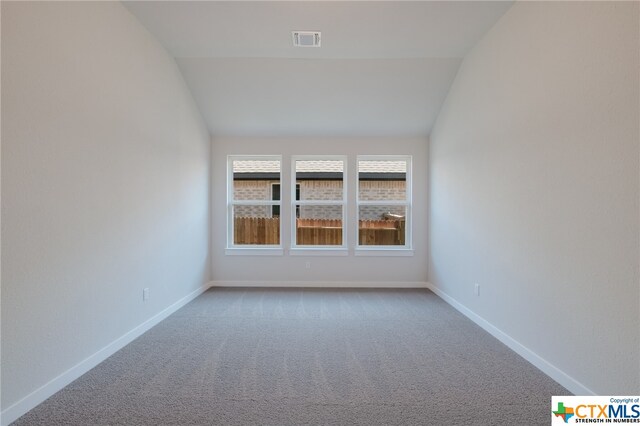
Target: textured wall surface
pixel 534 184
pixel 105 185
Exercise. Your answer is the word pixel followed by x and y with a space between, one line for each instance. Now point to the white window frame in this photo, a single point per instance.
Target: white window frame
pixel 387 250
pixel 250 249
pixel 317 250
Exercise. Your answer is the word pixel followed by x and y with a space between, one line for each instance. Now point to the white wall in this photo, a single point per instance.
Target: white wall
pixel 291 270
pixel 105 186
pixel 534 182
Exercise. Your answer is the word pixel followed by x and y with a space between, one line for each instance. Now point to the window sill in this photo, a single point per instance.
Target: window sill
pixel 389 252
pixel 299 251
pixel 254 251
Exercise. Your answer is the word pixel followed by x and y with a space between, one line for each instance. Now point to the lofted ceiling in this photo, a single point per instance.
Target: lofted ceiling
pixel 384 67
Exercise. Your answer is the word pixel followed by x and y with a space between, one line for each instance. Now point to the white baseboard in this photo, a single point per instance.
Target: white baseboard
pixel 543 365
pixel 13 412
pixel 320 284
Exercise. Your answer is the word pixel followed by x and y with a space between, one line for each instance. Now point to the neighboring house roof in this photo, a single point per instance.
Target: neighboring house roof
pixel 320 169
pixel 374 166
pixel 258 166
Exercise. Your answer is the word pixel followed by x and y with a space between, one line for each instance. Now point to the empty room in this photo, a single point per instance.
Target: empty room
pixel 320 212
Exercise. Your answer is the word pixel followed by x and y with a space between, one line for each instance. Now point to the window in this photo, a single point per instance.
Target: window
pixel 252 208
pixel 384 202
pixel 317 207
pixel 319 200
pixel 275 196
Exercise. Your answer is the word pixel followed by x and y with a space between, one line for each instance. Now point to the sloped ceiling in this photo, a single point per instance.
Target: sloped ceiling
pixel 384 68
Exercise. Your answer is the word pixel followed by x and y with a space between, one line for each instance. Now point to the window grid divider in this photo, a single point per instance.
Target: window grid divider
pixel 318 203
pixel 255 203
pixel 384 203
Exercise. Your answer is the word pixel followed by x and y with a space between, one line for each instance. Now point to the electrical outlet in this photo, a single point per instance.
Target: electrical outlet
pixel 476 289
pixel 307 265
pixel 145 294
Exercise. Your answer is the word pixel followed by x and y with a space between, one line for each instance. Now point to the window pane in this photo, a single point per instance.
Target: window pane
pixel 380 180
pixel 319 225
pixel 275 196
pixel 382 225
pixel 255 179
pixel 255 225
pixel 320 179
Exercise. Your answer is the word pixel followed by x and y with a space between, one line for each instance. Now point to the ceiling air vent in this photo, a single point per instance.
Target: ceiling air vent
pixel 306 38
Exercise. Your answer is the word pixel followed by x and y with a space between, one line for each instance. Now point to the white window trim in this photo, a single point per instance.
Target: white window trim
pixel 407 248
pixel 250 249
pixel 319 251
pixel 301 250
pixel 383 251
pixel 254 250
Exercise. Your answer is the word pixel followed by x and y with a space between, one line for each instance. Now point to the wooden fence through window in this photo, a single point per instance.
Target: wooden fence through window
pixel 266 230
pixel 381 232
pixel 319 232
pixel 256 230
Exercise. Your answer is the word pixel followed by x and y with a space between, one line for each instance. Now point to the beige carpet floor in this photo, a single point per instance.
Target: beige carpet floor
pixel 308 356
